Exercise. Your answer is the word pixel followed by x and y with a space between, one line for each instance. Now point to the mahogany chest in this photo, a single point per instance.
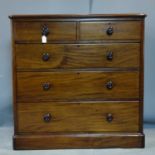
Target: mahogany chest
pixel 78 81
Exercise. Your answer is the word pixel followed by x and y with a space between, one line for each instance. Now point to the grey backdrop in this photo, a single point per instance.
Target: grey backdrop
pixel 8 7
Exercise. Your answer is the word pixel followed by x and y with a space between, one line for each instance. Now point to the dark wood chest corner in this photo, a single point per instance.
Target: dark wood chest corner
pixel 78 81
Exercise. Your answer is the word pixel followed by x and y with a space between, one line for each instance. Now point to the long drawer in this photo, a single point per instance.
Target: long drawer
pixel 78 117
pixel 55 31
pixel 110 30
pixel 73 85
pixel 37 56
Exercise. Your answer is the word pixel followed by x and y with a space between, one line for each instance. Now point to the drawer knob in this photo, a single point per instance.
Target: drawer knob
pixel 109 55
pixel 109 117
pixel 109 85
pixel 45 30
pixel 47 117
pixel 45 57
pixel 46 86
pixel 110 31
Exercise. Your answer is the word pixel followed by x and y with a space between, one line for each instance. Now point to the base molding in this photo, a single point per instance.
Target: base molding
pixel 80 140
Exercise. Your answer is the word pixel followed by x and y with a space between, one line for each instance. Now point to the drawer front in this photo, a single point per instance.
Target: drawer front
pixel 57 31
pixel 43 86
pixel 72 117
pixel 36 56
pixel 110 30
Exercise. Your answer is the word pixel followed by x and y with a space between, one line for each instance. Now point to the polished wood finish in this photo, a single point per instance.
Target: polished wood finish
pixel 84 87
pixel 131 16
pixel 67 85
pixel 78 117
pixel 121 30
pixel 32 31
pixel 30 56
pixel 79 140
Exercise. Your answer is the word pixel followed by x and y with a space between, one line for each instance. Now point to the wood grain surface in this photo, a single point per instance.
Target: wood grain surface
pixel 30 56
pixel 32 31
pixel 84 87
pixel 78 117
pixel 122 30
pixel 80 140
pixel 90 85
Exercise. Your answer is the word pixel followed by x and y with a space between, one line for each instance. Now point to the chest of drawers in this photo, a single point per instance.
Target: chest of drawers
pixel 82 85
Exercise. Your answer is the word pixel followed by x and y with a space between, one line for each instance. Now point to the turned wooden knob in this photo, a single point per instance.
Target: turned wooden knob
pixel 109 117
pixel 109 85
pixel 45 56
pixel 109 56
pixel 45 30
pixel 47 117
pixel 46 86
pixel 110 31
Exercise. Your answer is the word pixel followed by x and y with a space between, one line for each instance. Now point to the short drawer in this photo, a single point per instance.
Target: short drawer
pixel 78 117
pixel 76 85
pixel 55 31
pixel 110 30
pixel 37 56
